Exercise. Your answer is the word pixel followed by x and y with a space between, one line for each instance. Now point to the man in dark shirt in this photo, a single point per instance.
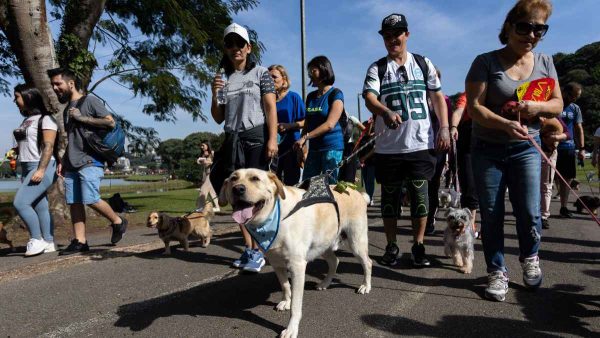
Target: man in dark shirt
pixel 81 168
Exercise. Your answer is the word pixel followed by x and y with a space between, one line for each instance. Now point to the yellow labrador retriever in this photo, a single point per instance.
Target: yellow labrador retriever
pixel 310 232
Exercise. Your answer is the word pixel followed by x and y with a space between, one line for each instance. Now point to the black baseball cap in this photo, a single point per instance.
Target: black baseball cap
pixel 393 22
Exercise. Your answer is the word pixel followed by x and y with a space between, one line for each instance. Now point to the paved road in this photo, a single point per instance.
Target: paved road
pixel 134 290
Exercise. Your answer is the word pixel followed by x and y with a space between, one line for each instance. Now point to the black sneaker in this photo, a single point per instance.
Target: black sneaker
pixel 545 224
pixel 118 230
pixel 390 257
pixel 564 212
pixel 74 247
pixel 418 255
pixel 429 230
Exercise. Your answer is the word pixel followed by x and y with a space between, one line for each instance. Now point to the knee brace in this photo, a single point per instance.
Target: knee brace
pixel 419 198
pixel 391 201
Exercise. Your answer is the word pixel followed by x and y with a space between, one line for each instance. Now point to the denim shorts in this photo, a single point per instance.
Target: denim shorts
pixel 83 186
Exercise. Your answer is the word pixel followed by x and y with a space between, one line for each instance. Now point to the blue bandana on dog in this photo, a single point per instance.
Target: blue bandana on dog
pixel 265 234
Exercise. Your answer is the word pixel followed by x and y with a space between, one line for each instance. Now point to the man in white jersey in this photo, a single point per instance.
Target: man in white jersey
pixel 395 91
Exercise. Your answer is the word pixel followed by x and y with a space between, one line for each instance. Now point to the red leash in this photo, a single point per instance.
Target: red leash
pixel 539 149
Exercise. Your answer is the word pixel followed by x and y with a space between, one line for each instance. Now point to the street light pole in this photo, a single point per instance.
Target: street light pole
pixel 303 47
pixel 358 102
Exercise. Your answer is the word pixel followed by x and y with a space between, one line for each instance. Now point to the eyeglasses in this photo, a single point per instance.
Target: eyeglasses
pixel 525 28
pixel 235 42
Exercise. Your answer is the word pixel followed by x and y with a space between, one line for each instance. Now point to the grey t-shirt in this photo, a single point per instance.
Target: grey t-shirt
pixel 78 154
pixel 501 88
pixel 245 89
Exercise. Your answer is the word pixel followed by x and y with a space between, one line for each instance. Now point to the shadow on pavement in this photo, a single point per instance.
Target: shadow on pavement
pixel 233 297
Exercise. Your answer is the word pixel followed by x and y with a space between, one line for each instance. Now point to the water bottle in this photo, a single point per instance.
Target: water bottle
pixel 222 92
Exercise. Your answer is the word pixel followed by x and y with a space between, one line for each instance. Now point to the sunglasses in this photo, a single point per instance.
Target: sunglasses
pixel 235 43
pixel 525 28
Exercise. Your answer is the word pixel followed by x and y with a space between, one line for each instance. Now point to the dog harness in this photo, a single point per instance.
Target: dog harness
pixel 317 191
pixel 265 234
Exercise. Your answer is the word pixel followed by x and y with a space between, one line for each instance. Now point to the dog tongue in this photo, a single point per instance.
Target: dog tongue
pixel 241 216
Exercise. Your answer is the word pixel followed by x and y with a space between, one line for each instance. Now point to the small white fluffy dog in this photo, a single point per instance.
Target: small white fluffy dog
pixel 445 199
pixel 310 232
pixel 459 238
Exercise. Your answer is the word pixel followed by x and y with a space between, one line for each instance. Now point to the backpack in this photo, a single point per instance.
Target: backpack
pixel 108 144
pixel 382 66
pixel 343 121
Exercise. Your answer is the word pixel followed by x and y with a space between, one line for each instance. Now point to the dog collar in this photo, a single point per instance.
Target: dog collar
pixel 265 234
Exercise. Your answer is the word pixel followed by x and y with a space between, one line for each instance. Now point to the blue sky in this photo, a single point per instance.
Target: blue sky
pixel 450 33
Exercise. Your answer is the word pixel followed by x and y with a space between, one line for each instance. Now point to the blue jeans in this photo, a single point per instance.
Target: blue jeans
pixel 318 162
pixel 83 186
pixel 31 201
pixel 516 166
pixel 368 175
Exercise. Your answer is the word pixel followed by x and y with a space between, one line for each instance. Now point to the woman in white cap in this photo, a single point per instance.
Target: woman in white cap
pixel 250 116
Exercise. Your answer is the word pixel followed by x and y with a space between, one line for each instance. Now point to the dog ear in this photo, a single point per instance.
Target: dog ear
pixel 163 219
pixel 223 193
pixel 450 209
pixel 278 183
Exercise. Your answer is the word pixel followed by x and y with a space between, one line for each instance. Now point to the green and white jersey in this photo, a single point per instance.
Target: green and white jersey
pixel 403 90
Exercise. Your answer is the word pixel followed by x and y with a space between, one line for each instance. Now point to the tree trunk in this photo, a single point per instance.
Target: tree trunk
pixel 27 30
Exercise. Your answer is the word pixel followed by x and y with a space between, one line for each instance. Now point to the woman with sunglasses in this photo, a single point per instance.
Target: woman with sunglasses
pixel 503 153
pixel 250 118
pixel 35 144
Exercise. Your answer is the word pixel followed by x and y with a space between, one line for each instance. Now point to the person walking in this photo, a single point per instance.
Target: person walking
pixel 503 154
pixel 207 192
pixel 250 123
pixel 35 139
pixel 81 168
pixel 395 91
pixel 290 120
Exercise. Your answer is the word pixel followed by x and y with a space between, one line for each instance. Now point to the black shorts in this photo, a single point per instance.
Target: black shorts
pixel 393 169
pixel 565 163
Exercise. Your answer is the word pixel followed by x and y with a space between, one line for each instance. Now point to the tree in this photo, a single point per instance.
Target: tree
pixel 583 66
pixel 170 62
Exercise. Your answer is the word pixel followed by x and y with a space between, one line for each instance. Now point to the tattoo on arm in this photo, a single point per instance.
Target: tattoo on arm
pixel 46 154
pixel 105 122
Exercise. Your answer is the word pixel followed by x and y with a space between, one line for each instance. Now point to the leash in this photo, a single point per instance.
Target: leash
pixel 355 152
pixel 539 150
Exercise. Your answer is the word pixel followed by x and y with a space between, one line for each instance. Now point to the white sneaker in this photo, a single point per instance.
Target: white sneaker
pixel 35 247
pixel 50 247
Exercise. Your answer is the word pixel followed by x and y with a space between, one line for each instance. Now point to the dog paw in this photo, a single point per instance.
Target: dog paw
pixel 283 305
pixel 323 286
pixel 290 332
pixel 465 270
pixel 363 289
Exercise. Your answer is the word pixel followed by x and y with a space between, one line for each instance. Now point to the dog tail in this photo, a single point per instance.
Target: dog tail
pixel 366 197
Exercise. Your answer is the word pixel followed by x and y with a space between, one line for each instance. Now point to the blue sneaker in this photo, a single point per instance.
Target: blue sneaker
pixel 243 260
pixel 255 262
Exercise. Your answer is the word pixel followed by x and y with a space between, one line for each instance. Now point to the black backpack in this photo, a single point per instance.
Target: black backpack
pixel 382 66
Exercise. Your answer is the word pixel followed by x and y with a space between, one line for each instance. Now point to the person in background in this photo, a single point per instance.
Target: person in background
pixel 207 192
pixel 460 131
pixel 290 119
pixel 35 145
pixel 348 171
pixel 324 108
pixel 567 152
pixel 503 155
pixel 549 143
pixel 440 163
pixel 367 167
pixel 250 123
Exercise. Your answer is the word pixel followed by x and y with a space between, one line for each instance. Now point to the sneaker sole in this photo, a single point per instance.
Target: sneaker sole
pixel 34 254
pixel 249 269
pixel 532 286
pixel 241 265
pixel 498 298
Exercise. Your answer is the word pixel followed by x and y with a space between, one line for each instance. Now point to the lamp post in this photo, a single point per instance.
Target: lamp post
pixel 358 103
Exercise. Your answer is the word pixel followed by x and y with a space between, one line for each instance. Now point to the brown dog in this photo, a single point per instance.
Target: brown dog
pixel 180 228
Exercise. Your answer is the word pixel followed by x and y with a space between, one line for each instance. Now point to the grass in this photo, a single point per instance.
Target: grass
pixel 147 187
pixel 581 175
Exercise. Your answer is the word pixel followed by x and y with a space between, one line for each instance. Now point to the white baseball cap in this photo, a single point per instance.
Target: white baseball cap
pixel 237 29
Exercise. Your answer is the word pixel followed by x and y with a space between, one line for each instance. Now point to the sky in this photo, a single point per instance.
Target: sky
pixel 450 33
